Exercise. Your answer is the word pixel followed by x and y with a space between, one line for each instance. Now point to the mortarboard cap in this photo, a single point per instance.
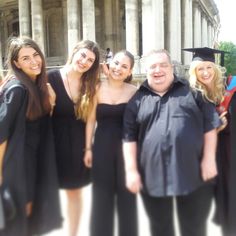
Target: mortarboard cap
pixel 205 54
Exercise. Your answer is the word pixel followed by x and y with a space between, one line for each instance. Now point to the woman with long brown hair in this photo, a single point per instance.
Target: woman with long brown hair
pixel 75 86
pixel 27 157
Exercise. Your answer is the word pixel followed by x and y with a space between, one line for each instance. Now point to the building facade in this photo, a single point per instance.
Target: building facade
pixel 137 25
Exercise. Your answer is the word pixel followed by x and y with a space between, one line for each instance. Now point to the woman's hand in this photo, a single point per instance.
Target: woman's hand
pixel 223 120
pixel 105 69
pixel 52 97
pixel 88 158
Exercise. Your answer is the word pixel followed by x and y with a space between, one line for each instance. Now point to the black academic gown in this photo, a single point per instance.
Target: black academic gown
pixel 46 210
pixel 12 114
pixel 225 214
pixel 46 214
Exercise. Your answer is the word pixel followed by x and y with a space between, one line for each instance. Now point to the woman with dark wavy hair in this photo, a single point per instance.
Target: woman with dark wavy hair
pixel 27 157
pixel 75 86
pixel 105 154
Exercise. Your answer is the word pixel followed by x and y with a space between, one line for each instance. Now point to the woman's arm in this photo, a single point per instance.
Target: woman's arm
pixel 3 147
pixel 89 133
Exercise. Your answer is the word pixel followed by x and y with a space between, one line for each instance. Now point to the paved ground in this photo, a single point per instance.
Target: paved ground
pixel 213 230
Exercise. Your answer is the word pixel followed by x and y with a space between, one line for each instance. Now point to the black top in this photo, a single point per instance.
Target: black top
pixel 108 134
pixel 169 132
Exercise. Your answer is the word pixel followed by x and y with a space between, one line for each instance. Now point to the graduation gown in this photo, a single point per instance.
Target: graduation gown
pixel 13 128
pixel 225 214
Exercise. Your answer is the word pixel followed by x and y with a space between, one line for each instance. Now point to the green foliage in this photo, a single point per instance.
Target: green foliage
pixel 230 57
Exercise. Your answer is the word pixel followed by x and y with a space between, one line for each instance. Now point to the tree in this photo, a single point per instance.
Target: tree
pixel 230 56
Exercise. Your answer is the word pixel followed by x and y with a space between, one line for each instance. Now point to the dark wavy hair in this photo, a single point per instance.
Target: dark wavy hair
pixel 89 79
pixel 38 96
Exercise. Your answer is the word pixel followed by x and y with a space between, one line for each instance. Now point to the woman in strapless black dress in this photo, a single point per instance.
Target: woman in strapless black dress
pixel 105 155
pixel 74 85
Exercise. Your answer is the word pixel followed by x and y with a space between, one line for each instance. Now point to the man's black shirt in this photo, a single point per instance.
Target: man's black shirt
pixel 169 132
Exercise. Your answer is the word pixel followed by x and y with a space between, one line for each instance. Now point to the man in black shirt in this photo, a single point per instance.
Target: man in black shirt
pixel 169 149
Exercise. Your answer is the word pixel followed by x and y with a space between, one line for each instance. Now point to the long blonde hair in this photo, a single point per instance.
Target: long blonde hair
pixel 215 94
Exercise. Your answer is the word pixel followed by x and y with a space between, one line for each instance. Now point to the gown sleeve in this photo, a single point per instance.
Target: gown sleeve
pixel 10 102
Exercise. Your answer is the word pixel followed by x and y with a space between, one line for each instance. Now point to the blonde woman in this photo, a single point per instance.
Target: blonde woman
pixel 208 77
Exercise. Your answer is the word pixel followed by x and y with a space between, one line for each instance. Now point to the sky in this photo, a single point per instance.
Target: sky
pixel 227 11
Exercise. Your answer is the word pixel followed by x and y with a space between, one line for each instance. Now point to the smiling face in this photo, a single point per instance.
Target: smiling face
pixel 29 61
pixel 120 67
pixel 205 73
pixel 159 72
pixel 83 60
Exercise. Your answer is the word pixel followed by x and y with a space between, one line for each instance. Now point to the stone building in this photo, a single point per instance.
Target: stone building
pixel 137 25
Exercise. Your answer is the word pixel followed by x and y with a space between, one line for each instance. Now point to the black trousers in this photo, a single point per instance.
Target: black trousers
pixel 109 193
pixel 192 212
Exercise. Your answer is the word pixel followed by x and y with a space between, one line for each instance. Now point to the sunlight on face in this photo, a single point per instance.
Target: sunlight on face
pixel 120 66
pixel 29 61
pixel 205 72
pixel 159 72
pixel 83 60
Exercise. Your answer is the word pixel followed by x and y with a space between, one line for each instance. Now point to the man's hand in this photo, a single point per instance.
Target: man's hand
pixel 208 168
pixel 133 181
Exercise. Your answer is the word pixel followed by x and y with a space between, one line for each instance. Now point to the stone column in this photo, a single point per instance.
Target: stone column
pixel 24 17
pixel 37 22
pixel 204 32
pixel 65 28
pixel 132 27
pixel 88 12
pixel 210 38
pixel 197 29
pixel 187 30
pixel 174 29
pixel 73 24
pixel 153 24
pixel 108 25
pixel 213 36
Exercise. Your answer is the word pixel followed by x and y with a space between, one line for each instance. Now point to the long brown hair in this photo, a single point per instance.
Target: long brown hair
pixel 89 79
pixel 38 98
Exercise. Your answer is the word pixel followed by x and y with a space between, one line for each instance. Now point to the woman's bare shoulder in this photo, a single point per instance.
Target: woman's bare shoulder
pixel 131 88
